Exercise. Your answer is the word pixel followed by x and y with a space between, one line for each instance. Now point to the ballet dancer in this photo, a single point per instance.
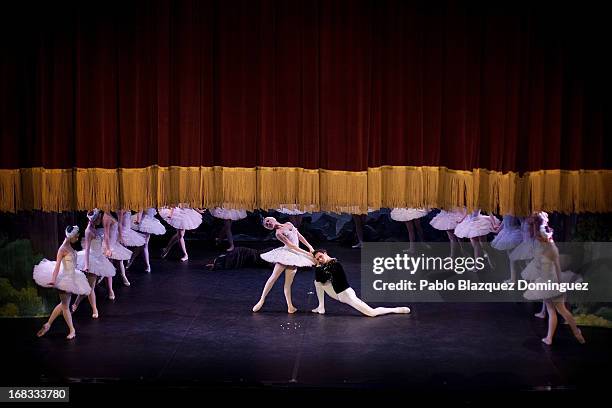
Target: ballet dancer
pixel 508 237
pixel 331 279
pixel 114 250
pixel 447 221
pixel 62 275
pixel 410 217
pixel 92 261
pixel 146 223
pixel 240 257
pixel 476 227
pixel 228 216
pixel 295 215
pixel 545 267
pixel 181 218
pixel 285 259
pixel 128 237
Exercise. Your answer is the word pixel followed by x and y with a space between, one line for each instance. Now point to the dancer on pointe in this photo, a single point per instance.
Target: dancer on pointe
pixel 114 250
pixel 410 217
pixel 545 267
pixel 146 223
pixel 447 221
pixel 228 216
pixel 285 259
pixel 331 279
pixel 92 261
pixel 62 275
pixel 508 237
pixel 182 219
pixel 128 237
pixel 476 227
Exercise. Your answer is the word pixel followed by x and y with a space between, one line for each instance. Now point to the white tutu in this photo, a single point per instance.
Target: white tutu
pixel 476 225
pixel 148 223
pixel 507 239
pixel 408 214
pixel 118 251
pixel 447 220
pixel 68 279
pixel 524 251
pixel 182 218
pixel 566 277
pixel 288 211
pixel 98 263
pixel 288 257
pixel 131 238
pixel 226 214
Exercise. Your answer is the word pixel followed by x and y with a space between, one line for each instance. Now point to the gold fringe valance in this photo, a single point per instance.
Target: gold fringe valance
pixel 310 190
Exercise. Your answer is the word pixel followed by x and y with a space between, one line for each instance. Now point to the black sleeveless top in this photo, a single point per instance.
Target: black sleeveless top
pixel 334 272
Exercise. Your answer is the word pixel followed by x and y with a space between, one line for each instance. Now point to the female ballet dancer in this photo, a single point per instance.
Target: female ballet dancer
pixel 92 261
pixel 508 237
pixel 545 267
pixel 285 259
pixel 448 221
pixel 410 217
pixel 331 279
pixel 146 223
pixel 114 250
pixel 127 236
pixel 476 227
pixel 228 215
pixel 63 276
pixel 182 219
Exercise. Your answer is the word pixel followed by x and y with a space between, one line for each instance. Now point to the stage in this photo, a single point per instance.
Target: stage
pixel 184 325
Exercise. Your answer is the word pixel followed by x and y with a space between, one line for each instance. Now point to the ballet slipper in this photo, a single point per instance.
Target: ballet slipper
pixel 578 335
pixel 126 282
pixel 230 249
pixel 164 253
pixel 71 336
pixel 43 330
pixel 111 296
pixel 547 341
pixel 129 263
pixel 74 307
pixel 291 309
pixel 404 310
pixel 258 306
pixel 357 245
pixel 185 258
pixel 95 315
pixel 318 310
pixel 148 269
pixel 540 315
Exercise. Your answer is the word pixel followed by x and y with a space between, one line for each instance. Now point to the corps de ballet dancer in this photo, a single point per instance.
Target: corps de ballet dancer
pixel 285 259
pixel 146 223
pixel 476 227
pixel 447 221
pixel 127 236
pixel 545 267
pixel 92 262
pixel 114 250
pixel 411 218
pixel 228 216
pixel 508 237
pixel 62 275
pixel 182 219
pixel 331 279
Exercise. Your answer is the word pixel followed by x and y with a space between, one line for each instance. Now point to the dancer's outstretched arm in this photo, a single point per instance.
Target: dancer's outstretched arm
pixel 290 244
pixel 305 241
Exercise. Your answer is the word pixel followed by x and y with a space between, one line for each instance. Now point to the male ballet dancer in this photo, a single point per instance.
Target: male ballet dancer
pixel 331 279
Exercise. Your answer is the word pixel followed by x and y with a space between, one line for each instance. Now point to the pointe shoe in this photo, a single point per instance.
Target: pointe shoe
pixel 74 307
pixel 357 245
pixel 404 310
pixel 164 253
pixel 230 249
pixel 540 315
pixel 148 269
pixel 43 330
pixel 291 309
pixel 547 341
pixel 129 263
pixel 318 310
pixel 258 307
pixel 71 336
pixel 578 335
pixel 94 315
pixel 126 282
pixel 111 296
pixel 185 258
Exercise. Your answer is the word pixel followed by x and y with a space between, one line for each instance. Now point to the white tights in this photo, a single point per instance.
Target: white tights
pixel 350 298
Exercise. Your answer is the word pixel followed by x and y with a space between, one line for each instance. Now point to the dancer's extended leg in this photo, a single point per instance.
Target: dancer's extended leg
pixel 350 298
pixel 289 276
pixel 276 273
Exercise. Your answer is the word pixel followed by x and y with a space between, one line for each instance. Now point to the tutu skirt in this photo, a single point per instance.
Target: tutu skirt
pixel 226 214
pixel 131 238
pixel 408 214
pixel 98 264
pixel 74 282
pixel 447 220
pixel 148 225
pixel 472 227
pixel 288 257
pixel 182 218
pixel 523 251
pixel 288 211
pixel 566 277
pixel 507 239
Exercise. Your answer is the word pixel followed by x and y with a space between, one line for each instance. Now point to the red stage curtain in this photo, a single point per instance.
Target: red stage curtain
pixel 335 85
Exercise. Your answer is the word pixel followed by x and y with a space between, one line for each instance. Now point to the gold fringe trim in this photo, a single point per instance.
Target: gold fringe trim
pixel 308 190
